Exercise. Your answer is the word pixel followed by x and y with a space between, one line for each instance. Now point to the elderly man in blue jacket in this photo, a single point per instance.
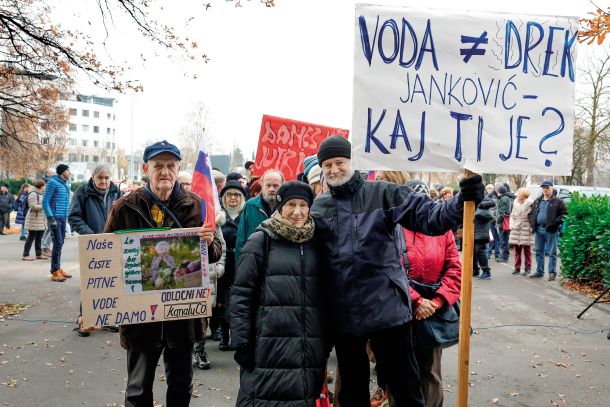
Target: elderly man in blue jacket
pixel 368 288
pixel 56 206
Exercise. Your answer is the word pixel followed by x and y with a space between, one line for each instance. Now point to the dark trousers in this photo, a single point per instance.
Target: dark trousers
pixel 200 328
pixel 429 360
pixel 58 234
pixel 480 256
pixel 504 253
pixel 34 236
pixel 527 254
pixel 393 349
pixel 141 368
pixel 5 221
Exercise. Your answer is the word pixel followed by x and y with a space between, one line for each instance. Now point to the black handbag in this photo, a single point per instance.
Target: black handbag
pixel 442 329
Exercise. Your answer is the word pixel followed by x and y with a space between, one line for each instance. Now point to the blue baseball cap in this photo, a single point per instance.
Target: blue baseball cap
pixel 546 184
pixel 161 147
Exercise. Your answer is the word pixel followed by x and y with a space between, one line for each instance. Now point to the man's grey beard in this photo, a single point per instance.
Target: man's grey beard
pixel 270 199
pixel 339 182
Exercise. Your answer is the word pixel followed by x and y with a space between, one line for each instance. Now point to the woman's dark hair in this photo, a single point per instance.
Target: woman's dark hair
pixel 39 183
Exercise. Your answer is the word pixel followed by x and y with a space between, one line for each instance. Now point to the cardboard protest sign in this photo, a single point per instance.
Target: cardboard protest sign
pixel 143 276
pixel 443 90
pixel 283 144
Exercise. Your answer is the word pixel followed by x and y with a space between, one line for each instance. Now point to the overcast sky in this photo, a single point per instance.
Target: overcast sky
pixel 294 60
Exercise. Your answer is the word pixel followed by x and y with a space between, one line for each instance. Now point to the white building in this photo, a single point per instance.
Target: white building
pixel 92 135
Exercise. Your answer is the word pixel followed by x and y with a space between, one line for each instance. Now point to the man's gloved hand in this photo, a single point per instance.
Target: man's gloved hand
pixel 472 189
pixel 244 356
pixel 52 222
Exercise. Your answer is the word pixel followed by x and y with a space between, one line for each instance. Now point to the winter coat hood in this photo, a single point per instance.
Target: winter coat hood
pixel 521 233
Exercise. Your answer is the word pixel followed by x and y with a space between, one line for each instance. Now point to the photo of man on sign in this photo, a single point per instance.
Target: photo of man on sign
pixel 171 263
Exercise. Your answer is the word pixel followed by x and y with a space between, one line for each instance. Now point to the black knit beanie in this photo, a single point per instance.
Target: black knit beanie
pixel 292 190
pixel 61 168
pixel 334 146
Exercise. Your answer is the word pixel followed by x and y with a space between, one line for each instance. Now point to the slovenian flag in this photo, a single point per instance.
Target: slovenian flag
pixel 205 187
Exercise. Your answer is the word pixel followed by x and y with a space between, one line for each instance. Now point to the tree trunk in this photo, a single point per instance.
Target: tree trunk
pixel 590 161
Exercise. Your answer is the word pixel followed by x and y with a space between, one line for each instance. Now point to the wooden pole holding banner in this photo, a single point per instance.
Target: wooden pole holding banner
pixel 465 301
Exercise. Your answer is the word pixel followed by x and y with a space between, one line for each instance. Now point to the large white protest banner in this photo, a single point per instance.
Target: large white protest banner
pixel 441 90
pixel 143 276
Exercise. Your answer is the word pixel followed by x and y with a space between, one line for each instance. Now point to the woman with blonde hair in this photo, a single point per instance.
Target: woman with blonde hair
pixel 521 236
pixel 395 177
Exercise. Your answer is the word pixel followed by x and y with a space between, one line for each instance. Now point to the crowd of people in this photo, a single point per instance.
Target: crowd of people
pixel 298 268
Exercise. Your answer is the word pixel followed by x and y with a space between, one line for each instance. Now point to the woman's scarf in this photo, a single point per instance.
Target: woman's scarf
pixel 289 232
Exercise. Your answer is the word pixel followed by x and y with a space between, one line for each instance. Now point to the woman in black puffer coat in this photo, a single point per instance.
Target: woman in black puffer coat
pixel 277 322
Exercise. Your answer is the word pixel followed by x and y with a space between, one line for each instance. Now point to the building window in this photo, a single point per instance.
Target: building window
pixel 73 112
pixel 108 160
pixel 73 142
pixel 85 113
pixel 96 143
pixel 96 129
pixel 85 128
pixel 108 130
pixel 60 157
pixel 86 158
pixel 72 157
pixel 113 160
pixel 85 143
pixel 95 158
pixel 96 114
pixel 114 117
pixel 108 116
pixel 113 146
pixel 108 145
pixel 73 127
pixel 113 132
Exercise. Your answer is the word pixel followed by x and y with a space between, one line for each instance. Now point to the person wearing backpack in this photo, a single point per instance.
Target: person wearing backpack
pixel 505 207
pixel 21 206
pixel 277 313
pixel 35 222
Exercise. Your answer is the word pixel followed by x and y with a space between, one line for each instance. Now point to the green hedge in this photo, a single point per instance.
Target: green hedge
pixel 585 245
pixel 14 185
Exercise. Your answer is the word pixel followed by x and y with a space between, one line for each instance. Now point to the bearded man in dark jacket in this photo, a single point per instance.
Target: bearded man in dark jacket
pixel 145 342
pixel 367 285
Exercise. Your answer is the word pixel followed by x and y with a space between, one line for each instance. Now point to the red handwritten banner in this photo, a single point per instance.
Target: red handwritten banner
pixel 283 144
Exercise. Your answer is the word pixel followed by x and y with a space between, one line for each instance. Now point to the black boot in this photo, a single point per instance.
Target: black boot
pixel 223 346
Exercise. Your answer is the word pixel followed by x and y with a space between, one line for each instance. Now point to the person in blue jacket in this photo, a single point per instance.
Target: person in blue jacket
pixel 56 206
pixel 367 286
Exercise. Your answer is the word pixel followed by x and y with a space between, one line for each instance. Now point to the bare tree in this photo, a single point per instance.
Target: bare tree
pixel 40 59
pixel 593 111
pixel 196 134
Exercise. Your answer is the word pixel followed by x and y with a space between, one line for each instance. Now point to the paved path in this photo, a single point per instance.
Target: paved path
pixel 515 360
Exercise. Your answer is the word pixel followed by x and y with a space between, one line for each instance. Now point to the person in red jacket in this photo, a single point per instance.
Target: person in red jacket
pixel 430 259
